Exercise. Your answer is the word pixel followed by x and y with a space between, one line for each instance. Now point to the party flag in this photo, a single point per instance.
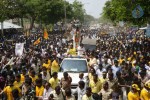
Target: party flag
pixel 45 34
pixel 37 41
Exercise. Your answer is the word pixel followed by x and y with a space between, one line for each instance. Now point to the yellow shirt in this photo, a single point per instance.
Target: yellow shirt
pixel 129 59
pixel 120 61
pixel 133 96
pixel 49 62
pixel 103 80
pixel 39 91
pixel 53 82
pixel 22 77
pixel 8 90
pixel 90 77
pixel 48 65
pixel 96 87
pixel 72 52
pixel 18 84
pixel 145 95
pixel 34 78
pixel 55 67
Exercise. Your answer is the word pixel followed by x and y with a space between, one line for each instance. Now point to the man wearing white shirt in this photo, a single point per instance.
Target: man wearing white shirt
pixel 80 50
pixel 100 71
pixel 115 68
pixel 45 74
pixel 47 91
pixel 80 90
pixel 147 67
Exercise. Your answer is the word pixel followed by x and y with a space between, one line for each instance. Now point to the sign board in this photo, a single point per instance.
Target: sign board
pixel 137 12
pixel 19 49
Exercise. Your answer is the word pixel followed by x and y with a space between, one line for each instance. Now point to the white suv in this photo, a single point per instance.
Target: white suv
pixel 74 66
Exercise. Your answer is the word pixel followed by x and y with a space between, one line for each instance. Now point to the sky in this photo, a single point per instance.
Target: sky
pixel 92 7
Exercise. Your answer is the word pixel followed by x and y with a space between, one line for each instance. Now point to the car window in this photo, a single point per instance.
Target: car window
pixel 74 66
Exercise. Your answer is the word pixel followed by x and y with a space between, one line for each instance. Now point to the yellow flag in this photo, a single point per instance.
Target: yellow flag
pixel 28 33
pixel 37 41
pixel 45 34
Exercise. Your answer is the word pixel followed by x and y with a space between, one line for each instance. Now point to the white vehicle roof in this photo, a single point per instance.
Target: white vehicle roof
pixel 75 59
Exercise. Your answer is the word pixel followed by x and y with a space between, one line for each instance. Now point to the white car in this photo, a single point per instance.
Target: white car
pixel 74 66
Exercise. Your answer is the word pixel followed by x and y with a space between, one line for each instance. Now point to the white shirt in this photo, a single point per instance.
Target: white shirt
pixel 46 93
pixel 60 55
pixel 63 40
pixel 80 92
pixel 115 69
pixel 100 72
pixel 57 97
pixel 81 50
pixel 43 52
pixel 147 69
pixel 47 77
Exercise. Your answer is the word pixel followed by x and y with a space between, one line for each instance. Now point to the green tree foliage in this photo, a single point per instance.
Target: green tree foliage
pixel 88 19
pixel 117 10
pixel 3 5
pixel 45 11
pixel 55 11
pixel 78 11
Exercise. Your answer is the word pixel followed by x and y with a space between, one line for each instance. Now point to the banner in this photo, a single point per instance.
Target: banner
pixel 137 12
pixel 19 49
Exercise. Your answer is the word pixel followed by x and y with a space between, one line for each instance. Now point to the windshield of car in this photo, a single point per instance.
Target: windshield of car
pixel 74 66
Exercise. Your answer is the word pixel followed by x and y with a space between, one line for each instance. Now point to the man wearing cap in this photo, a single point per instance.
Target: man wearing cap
pixel 133 94
pixel 145 93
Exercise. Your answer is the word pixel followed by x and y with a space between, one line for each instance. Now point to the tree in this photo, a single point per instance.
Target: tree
pixel 55 11
pixel 47 11
pixel 88 19
pixel 78 11
pixel 40 11
pixel 117 10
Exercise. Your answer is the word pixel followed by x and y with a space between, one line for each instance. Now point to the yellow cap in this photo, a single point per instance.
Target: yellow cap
pixel 135 86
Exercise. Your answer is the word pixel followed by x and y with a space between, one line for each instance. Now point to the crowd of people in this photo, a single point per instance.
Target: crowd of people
pixel 118 69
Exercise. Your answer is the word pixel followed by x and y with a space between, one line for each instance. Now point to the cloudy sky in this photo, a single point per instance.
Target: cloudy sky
pixel 92 7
